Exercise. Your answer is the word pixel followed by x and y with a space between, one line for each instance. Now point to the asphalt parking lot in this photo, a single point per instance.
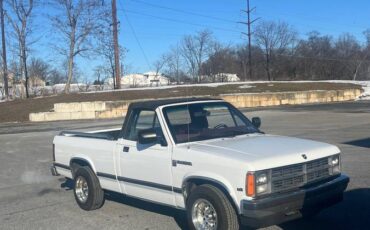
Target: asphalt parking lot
pixel 30 198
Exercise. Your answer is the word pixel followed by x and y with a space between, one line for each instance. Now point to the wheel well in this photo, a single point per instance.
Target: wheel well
pixel 192 183
pixel 78 162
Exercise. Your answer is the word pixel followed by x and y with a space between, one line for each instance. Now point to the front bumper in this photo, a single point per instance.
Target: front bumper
pixel 285 207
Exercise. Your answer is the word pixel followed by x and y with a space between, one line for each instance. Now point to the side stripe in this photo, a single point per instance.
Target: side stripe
pixel 106 175
pixel 140 182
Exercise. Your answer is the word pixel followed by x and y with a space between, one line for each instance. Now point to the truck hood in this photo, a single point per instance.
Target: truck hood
pixel 262 151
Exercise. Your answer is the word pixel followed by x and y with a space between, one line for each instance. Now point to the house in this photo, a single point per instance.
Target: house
pixel 147 79
pixel 227 77
pixel 35 81
pixel 134 80
pixel 220 77
pixel 156 79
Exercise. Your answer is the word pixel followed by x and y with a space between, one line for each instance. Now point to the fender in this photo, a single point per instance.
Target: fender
pixel 215 179
pixel 84 158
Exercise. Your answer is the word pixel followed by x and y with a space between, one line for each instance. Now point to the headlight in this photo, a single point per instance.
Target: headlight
pixel 258 183
pixel 262 182
pixel 261 188
pixel 335 163
pixel 261 179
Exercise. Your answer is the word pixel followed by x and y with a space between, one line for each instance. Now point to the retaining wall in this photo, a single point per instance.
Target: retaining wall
pixel 114 109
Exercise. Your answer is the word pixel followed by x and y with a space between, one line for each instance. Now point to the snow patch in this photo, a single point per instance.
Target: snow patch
pixel 246 86
pixel 366 94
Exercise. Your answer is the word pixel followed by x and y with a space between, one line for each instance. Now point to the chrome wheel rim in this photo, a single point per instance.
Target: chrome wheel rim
pixel 81 189
pixel 204 215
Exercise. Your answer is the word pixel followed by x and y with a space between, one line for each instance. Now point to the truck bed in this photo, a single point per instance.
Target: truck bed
pixel 110 134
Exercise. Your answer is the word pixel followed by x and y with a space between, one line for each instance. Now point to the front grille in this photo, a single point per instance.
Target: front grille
pixel 295 176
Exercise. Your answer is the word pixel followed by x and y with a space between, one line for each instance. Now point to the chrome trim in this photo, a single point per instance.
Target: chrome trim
pixel 204 215
pixel 81 189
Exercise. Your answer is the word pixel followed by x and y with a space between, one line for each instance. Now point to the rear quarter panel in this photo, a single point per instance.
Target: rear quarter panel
pixel 99 153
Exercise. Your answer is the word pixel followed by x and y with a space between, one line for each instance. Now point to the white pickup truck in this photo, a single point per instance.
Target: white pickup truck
pixel 206 157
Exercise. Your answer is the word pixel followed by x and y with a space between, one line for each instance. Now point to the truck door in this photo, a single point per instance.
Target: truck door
pixel 145 169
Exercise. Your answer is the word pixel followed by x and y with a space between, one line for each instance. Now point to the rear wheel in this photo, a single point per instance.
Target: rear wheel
pixel 87 191
pixel 208 208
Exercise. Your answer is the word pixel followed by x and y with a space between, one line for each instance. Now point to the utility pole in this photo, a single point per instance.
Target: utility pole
pixel 5 67
pixel 116 46
pixel 249 35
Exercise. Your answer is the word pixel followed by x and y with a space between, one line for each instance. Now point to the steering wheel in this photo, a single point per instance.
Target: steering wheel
pixel 220 126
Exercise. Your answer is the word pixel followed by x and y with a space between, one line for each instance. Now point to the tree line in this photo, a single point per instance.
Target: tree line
pixel 278 53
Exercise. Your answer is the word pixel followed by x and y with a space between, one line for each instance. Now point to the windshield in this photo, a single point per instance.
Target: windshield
pixel 203 121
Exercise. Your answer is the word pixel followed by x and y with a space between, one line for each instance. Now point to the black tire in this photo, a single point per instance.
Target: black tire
pixel 226 215
pixel 95 197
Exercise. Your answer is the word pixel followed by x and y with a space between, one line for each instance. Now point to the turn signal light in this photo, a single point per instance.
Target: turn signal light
pixel 250 185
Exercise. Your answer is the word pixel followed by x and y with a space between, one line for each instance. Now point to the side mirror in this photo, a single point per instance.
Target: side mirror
pixel 147 136
pixel 256 122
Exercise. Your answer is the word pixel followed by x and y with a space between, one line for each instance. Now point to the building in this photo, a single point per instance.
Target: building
pixel 35 81
pixel 142 80
pixel 227 77
pixel 156 79
pixel 220 77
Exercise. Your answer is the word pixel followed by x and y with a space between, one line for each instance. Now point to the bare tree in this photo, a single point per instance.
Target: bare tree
pixel 99 73
pixel 160 63
pixel 77 23
pixel 195 50
pixel 174 63
pixel 348 49
pixel 313 53
pixel 20 20
pixel 223 59
pixel 39 69
pixel 243 57
pixel 84 84
pixel 365 54
pixel 55 77
pixel 273 38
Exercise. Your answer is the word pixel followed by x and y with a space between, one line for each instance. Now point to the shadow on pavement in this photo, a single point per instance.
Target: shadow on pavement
pixel 67 184
pixel 178 215
pixel 352 213
pixel 365 143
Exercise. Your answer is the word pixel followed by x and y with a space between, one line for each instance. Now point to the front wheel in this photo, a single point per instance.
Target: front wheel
pixel 88 193
pixel 208 208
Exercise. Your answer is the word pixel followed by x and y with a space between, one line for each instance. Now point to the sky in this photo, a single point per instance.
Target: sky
pixel 148 28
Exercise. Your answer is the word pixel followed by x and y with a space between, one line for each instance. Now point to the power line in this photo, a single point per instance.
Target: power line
pixel 180 21
pixel 136 38
pixel 309 19
pixel 183 11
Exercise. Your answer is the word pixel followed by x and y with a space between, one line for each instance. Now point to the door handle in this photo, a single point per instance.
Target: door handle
pixel 126 149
